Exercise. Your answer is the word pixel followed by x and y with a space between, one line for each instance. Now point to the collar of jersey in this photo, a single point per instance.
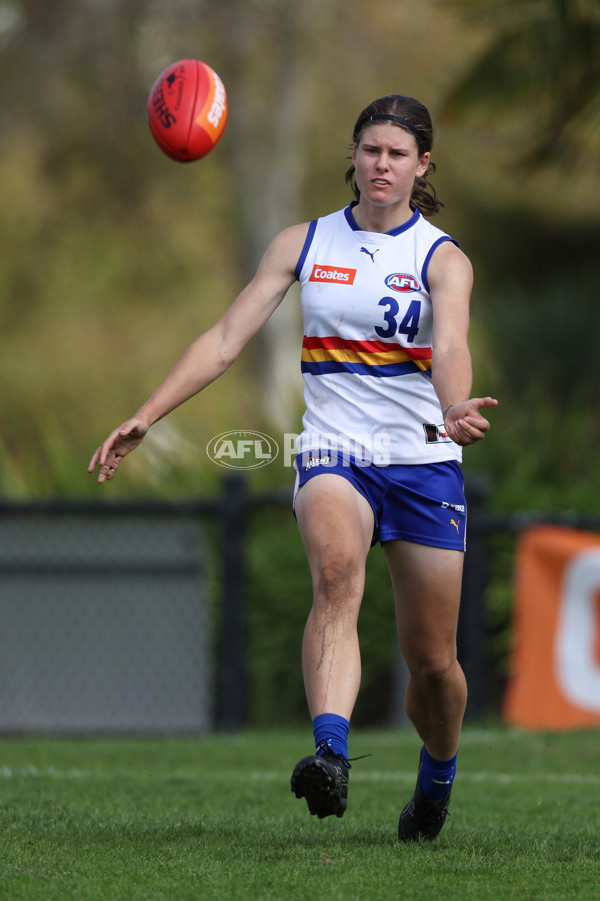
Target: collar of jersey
pixel 394 231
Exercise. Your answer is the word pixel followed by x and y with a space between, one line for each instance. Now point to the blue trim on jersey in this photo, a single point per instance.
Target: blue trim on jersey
pixel 430 254
pixel 393 232
pixel 350 218
pixel 309 239
pixel 402 228
pixel 389 369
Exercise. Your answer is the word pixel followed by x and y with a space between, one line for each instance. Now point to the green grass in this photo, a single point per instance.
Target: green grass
pixel 214 818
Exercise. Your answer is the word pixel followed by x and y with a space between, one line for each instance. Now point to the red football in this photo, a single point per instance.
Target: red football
pixel 187 110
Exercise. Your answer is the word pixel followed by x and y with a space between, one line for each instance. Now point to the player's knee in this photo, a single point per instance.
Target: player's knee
pixel 339 583
pixel 433 669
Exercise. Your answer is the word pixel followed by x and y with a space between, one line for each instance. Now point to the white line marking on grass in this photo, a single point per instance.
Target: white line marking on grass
pixel 577 778
pixel 33 772
pixel 504 778
pixel 7 772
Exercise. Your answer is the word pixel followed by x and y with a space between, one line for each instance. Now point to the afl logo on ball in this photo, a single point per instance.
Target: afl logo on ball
pixel 401 281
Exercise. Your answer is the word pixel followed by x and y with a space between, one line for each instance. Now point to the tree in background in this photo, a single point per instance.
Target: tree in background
pixel 542 61
pixel 272 95
pixel 530 101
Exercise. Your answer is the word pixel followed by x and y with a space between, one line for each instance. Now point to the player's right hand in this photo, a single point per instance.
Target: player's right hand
pixel 119 443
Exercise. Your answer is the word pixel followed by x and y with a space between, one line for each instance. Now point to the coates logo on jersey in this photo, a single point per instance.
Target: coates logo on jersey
pixel 334 274
pixel 401 281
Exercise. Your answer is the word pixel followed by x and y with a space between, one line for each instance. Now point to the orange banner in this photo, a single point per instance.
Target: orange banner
pixel 555 666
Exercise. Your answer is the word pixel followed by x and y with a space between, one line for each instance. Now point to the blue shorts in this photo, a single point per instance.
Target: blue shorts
pixel 425 503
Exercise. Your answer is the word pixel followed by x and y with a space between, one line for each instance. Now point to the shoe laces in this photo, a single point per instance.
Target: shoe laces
pixel 324 747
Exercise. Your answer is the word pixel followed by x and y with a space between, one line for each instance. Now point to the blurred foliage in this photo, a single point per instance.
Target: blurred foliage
pixel 115 258
pixel 541 59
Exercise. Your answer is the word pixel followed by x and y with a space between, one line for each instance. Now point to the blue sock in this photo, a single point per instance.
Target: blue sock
pixel 331 734
pixel 436 776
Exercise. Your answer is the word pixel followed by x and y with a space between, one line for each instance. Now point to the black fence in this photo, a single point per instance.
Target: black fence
pixel 232 512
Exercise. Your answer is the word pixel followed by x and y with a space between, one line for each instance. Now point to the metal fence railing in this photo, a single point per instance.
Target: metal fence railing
pixel 106 626
pixel 104 622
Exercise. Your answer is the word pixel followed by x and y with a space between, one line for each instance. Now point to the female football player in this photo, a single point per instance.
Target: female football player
pixel 387 370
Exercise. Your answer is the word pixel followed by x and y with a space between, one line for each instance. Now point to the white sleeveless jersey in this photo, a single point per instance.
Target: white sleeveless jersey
pixel 367 347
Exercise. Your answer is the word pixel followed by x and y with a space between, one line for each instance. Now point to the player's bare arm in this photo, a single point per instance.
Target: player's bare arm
pixel 211 354
pixel 451 282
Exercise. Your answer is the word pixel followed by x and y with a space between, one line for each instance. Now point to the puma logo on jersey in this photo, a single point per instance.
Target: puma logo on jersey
pixel 372 255
pixel 335 274
pixel 453 522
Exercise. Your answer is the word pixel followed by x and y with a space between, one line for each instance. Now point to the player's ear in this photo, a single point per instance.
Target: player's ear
pixel 423 164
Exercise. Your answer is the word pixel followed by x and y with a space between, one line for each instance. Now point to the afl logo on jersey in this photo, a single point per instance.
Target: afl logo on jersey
pixel 400 281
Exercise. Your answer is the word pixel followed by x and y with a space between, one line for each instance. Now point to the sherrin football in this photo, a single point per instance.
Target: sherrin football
pixel 187 110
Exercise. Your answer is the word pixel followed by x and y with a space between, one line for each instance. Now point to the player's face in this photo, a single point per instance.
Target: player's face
pixel 387 161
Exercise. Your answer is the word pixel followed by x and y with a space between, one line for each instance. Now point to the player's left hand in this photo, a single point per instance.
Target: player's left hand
pixel 464 421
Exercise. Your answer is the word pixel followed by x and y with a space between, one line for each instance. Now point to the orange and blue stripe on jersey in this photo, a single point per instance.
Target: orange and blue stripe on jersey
pixel 377 358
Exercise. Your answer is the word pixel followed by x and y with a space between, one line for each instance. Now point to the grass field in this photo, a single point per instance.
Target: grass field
pixel 214 818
